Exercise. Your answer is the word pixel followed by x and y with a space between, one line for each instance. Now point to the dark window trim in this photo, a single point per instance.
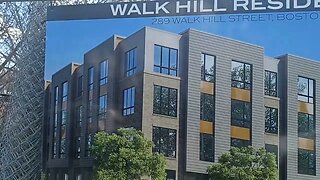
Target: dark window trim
pixel 307 170
pixel 90 84
pixel 267 90
pixel 202 156
pixel 243 143
pixel 104 80
pixel 308 96
pixel 132 70
pixel 202 104
pixel 243 121
pixel 105 99
pixel 132 106
pixel 64 97
pixel 203 75
pixel 270 117
pixel 166 133
pixel 168 68
pixel 244 75
pixel 307 134
pixel 168 103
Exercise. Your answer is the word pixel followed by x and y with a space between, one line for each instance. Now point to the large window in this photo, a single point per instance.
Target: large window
pixel 240 142
pixel 79 116
pixel 206 147
pixel 64 91
pixel 165 101
pixel 63 129
pixel 165 60
pixel 128 101
pixel 240 113
pixel 270 83
pixel 104 72
pixel 241 75
pixel 131 62
pixel 165 141
pixel 103 103
pixel 78 147
pixel 270 148
pixel 306 125
pixel 171 175
pixel 306 162
pixel 89 144
pixel 207 68
pixel 305 89
pixel 80 86
pixel 271 120
pixel 90 78
pixel 207 107
pixel 55 123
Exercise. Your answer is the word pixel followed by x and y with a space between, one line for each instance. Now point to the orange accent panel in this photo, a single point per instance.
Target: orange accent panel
pixel 206 127
pixel 305 107
pixel 240 94
pixel 307 144
pixel 240 133
pixel 207 87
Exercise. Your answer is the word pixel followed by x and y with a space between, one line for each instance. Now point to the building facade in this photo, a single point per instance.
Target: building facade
pixel 194 94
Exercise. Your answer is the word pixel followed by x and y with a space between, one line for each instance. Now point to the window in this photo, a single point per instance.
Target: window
pixel 79 116
pixel 55 123
pixel 165 60
pixel 165 101
pixel 89 144
pixel 270 83
pixel 241 75
pixel 305 89
pixel 104 72
pixel 271 120
pixel 103 103
pixel 207 107
pixel 78 147
pixel 171 175
pixel 90 107
pixel 272 149
pixel 240 114
pixel 64 91
pixel 206 147
pixel 131 62
pixel 208 68
pixel 240 142
pixel 63 129
pixel 128 101
pixel 165 141
pixel 101 122
pixel 90 78
pixel 80 86
pixel 306 125
pixel 306 162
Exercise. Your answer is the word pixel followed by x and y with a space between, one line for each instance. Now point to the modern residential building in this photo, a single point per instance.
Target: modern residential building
pixel 194 94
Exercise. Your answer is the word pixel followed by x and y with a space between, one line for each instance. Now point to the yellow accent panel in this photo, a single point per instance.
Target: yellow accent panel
pixel 206 127
pixel 305 107
pixel 240 133
pixel 240 94
pixel 207 87
pixel 307 144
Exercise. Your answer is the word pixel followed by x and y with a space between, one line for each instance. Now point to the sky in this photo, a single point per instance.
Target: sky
pixel 68 41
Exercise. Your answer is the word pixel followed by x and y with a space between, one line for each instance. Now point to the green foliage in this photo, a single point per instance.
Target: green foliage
pixel 126 155
pixel 245 164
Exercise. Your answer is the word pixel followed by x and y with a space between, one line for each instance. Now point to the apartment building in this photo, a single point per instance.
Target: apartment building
pixel 194 94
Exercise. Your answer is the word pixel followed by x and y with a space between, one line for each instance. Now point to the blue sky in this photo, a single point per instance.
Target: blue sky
pixel 67 41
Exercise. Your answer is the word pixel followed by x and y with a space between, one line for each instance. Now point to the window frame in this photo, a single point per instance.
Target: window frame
pixel 130 109
pixel 307 170
pixel 103 77
pixel 307 96
pixel 90 78
pixel 268 124
pixel 243 143
pixel 267 90
pixel 203 155
pixel 203 97
pixel 103 110
pixel 242 121
pixel 164 147
pixel 307 134
pixel 161 103
pixel 161 66
pixel 65 91
pixel 244 76
pixel 203 72
pixel 129 71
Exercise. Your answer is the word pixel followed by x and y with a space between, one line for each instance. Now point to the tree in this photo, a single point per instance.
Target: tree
pixel 245 164
pixel 126 155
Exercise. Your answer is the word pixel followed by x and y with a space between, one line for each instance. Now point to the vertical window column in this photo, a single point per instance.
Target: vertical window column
pixel 55 123
pixel 64 118
pixel 131 62
pixel 128 101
